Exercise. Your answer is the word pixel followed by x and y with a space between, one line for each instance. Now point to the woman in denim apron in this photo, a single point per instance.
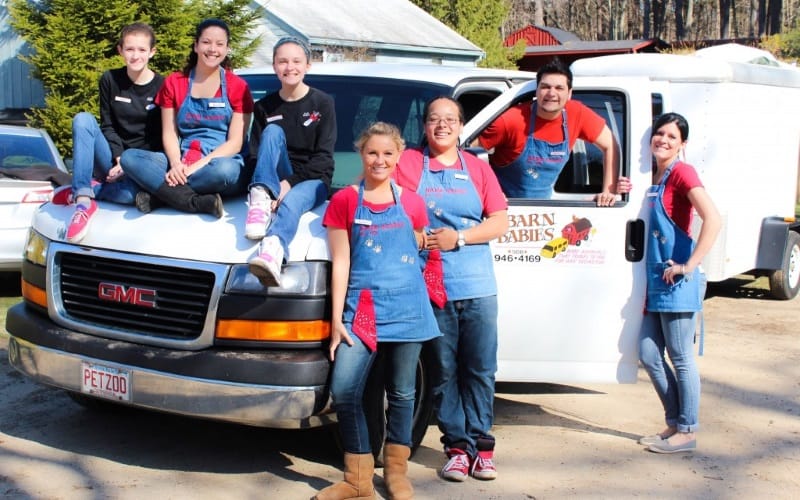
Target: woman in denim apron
pixel 675 285
pixel 379 303
pixel 467 209
pixel 205 113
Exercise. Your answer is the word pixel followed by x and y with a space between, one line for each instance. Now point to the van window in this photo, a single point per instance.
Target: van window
pixel 583 172
pixel 360 102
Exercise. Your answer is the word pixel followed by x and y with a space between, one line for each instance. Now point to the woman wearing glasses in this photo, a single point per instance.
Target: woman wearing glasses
pixel 467 209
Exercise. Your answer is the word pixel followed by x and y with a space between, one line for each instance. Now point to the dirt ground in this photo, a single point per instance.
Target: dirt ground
pixel 553 441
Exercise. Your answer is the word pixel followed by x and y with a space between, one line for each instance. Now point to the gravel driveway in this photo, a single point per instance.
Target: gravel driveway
pixel 553 441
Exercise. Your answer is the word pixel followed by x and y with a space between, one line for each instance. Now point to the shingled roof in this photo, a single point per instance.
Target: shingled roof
pixel 392 25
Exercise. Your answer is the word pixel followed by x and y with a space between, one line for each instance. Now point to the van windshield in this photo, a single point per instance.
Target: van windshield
pixel 360 102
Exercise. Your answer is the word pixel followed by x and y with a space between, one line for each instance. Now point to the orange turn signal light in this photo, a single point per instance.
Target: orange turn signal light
pixel 273 331
pixel 34 294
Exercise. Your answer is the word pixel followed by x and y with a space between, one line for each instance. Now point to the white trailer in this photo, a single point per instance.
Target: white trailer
pixel 574 315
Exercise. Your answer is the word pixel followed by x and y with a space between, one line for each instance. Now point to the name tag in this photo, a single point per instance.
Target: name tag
pixel 215 104
pixel 651 194
pixel 119 98
pixel 363 222
pixel 557 153
pixel 461 177
pixel 274 118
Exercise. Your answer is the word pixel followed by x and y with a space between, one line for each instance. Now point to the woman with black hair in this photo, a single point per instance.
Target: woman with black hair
pixel 205 113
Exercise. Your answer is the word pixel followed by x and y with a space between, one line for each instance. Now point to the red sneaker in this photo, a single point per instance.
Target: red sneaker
pixel 62 196
pixel 483 466
pixel 79 225
pixel 457 468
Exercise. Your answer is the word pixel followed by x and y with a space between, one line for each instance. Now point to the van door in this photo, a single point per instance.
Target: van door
pixel 575 316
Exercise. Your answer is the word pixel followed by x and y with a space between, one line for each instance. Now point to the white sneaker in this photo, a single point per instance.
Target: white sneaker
pixel 267 264
pixel 259 215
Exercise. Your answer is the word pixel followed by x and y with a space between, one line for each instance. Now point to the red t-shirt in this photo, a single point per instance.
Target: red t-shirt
pixel 176 86
pixel 409 172
pixel 508 133
pixel 682 179
pixel 341 210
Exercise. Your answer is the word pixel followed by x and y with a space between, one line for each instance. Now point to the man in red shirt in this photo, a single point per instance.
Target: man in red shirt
pixel 528 156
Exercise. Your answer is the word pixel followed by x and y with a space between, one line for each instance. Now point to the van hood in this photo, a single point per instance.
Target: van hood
pixel 169 233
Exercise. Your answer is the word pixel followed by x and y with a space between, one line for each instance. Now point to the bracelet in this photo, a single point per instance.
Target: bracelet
pixel 683 268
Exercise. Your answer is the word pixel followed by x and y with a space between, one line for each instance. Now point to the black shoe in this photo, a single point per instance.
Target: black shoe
pixel 146 202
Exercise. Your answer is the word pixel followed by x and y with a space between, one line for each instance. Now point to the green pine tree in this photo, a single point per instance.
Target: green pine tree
pixel 479 22
pixel 74 42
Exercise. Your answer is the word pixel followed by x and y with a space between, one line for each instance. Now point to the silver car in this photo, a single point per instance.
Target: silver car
pixel 30 167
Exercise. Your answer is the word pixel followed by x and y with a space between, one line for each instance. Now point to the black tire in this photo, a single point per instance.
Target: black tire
pixel 375 404
pixel 784 283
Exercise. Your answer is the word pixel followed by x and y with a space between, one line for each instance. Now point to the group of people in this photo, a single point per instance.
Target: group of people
pixel 182 141
pixel 411 261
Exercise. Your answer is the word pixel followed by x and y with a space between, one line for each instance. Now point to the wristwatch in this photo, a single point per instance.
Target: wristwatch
pixel 461 241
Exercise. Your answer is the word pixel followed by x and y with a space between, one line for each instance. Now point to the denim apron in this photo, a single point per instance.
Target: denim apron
pixel 205 119
pixel 386 295
pixel 453 201
pixel 534 173
pixel 668 241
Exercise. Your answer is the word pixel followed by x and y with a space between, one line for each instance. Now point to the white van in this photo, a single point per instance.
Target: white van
pixel 573 318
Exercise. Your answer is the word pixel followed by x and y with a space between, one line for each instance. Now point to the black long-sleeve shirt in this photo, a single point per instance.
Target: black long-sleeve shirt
pixel 310 128
pixel 129 117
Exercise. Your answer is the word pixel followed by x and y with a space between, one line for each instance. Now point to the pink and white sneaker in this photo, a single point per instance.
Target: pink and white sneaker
pixel 457 467
pixel 79 225
pixel 483 466
pixel 259 215
pixel 267 264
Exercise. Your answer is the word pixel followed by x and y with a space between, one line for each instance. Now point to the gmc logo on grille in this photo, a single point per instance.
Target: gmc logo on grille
pixel 114 292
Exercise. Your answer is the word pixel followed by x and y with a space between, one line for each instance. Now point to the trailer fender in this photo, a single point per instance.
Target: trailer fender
pixel 772 243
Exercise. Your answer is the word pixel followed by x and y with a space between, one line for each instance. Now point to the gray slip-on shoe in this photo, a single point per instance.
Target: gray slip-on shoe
pixel 648 440
pixel 664 447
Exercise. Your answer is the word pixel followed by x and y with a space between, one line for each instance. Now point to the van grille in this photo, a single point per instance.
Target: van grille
pixel 141 298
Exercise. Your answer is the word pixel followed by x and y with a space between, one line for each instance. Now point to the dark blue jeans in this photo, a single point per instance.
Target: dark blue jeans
pixel 148 169
pixel 350 373
pixel 91 158
pixel 467 363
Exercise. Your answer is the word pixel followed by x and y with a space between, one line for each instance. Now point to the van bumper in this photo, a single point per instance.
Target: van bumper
pixel 242 386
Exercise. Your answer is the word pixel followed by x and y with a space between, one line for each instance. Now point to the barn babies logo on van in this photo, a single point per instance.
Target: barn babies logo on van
pixel 535 237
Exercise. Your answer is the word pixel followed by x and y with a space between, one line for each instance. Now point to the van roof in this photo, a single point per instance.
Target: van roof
pixel 444 75
pixel 686 68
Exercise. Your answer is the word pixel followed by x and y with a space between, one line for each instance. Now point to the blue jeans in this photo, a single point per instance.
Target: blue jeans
pixel 148 169
pixel 678 388
pixel 91 157
pixel 350 373
pixel 272 166
pixel 466 356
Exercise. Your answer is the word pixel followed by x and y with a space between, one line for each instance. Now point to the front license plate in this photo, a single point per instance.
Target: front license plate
pixel 105 382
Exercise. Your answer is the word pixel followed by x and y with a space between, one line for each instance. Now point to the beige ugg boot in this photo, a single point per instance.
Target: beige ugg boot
pixel 357 484
pixel 395 471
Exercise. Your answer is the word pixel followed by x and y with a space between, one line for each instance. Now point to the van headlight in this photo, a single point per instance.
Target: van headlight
pixel 297 278
pixel 36 248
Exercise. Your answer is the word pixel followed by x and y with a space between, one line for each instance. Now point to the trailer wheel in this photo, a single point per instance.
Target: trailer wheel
pixel 375 404
pixel 784 283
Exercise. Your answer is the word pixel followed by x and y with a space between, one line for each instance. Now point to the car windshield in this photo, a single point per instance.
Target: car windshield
pixel 23 151
pixel 360 102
